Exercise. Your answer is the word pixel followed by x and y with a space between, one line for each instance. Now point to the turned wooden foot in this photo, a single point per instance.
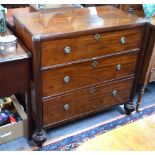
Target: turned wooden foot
pixel 129 108
pixel 140 95
pixel 39 137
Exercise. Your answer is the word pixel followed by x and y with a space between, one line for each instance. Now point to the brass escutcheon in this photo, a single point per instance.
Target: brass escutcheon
pixel 97 36
pixel 94 64
pixel 92 90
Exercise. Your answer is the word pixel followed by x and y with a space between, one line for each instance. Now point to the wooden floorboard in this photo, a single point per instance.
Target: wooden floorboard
pixel 136 136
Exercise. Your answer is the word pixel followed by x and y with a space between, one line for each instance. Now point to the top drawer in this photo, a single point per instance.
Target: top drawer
pixel 96 44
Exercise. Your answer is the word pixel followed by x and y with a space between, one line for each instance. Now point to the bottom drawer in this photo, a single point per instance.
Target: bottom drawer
pixel 65 107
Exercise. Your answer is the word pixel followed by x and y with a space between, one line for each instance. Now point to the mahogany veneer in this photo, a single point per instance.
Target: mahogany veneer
pixel 148 69
pixel 84 60
pixel 108 43
pixel 82 75
pixel 86 100
pixel 136 9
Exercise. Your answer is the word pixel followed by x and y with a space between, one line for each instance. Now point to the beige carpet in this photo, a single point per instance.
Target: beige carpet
pixel 136 136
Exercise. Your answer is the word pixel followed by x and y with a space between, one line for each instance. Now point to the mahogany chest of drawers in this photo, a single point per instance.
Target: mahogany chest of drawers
pixel 84 60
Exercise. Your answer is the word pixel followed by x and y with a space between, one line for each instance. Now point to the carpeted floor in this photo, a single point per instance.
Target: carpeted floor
pixel 72 142
pixel 135 136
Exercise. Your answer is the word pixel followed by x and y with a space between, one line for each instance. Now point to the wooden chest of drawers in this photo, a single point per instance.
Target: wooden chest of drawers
pixel 84 61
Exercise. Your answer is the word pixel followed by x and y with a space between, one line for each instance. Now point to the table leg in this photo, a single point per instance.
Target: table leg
pixel 140 95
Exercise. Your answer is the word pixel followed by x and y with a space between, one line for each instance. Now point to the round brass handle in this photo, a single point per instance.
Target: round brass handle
pixel 114 93
pixel 118 67
pixel 92 90
pixel 97 36
pixel 94 64
pixel 67 79
pixel 66 107
pixel 67 50
pixel 130 10
pixel 122 40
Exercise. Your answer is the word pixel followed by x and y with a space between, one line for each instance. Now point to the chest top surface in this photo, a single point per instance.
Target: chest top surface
pixel 75 20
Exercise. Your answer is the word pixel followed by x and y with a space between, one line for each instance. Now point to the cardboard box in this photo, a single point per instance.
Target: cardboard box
pixel 13 131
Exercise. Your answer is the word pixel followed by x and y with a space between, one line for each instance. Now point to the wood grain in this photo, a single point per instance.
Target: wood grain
pixel 136 9
pixel 13 77
pixel 84 74
pixel 47 7
pixel 14 69
pixel 86 46
pixel 75 20
pixel 11 11
pixel 149 59
pixel 152 72
pixel 23 35
pixel 84 101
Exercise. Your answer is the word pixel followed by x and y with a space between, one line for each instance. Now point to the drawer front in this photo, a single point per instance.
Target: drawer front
pixel 85 101
pixel 89 46
pixel 14 77
pixel 79 75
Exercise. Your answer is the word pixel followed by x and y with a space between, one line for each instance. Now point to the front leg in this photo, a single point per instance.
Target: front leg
pixel 140 95
pixel 128 107
pixel 39 137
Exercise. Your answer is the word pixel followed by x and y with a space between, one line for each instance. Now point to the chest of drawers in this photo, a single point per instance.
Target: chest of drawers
pixel 84 61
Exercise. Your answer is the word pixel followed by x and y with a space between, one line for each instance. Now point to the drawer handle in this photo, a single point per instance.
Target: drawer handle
pixel 92 90
pixel 114 93
pixel 118 67
pixel 67 79
pixel 97 36
pixel 122 40
pixel 130 10
pixel 94 64
pixel 67 50
pixel 66 107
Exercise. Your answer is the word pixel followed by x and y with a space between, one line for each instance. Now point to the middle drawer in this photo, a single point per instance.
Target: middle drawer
pixel 69 78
